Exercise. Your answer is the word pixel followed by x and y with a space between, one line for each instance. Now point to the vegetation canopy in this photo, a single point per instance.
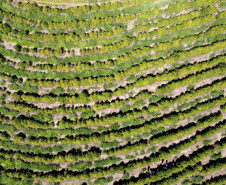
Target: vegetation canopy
pixel 112 92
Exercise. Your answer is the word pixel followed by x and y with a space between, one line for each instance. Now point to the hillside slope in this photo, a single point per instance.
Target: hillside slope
pixel 129 92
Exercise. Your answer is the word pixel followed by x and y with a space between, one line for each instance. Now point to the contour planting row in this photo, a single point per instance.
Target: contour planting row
pixel 118 76
pixel 10 145
pixel 189 170
pixel 75 23
pixel 47 118
pixel 212 166
pixel 70 67
pixel 114 127
pixel 64 110
pixel 86 131
pixel 43 140
pixel 77 10
pixel 101 18
pixel 89 164
pixel 80 58
pixel 38 75
pixel 142 95
pixel 66 75
pixel 187 79
pixel 192 73
pixel 24 86
pixel 216 86
pixel 128 131
pixel 138 120
pixel 99 96
pixel 92 10
pixel 131 114
pixel 74 166
pixel 171 21
pixel 39 36
pixel 9 180
pixel 114 46
pixel 185 5
pixel 93 35
pixel 74 10
pixel 161 102
pixel 100 172
pixel 220 180
pixel 27 87
pixel 107 31
pixel 185 165
pixel 171 134
pixel 10 163
pixel 31 89
pixel 63 83
pixel 201 107
pixel 140 52
pixel 133 130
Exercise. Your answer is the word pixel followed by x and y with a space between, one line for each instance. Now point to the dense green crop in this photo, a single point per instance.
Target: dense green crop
pixel 104 92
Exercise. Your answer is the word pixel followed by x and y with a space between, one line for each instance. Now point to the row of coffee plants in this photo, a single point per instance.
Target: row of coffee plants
pixel 100 172
pixel 85 97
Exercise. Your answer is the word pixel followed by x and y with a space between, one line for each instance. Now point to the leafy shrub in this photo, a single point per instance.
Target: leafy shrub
pixel 18 48
pixel 43 117
pixel 197 179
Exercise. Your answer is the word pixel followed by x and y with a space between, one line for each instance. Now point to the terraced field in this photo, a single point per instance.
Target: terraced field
pixel 117 93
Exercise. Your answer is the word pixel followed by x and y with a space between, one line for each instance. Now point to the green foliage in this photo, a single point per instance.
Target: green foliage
pixel 125 108
pixel 138 104
pixel 43 117
pixel 62 67
pixel 17 47
pixel 126 176
pixel 21 123
pixel 190 87
pixel 130 156
pixel 86 115
pixel 215 94
pixel 9 112
pixel 159 130
pixel 58 90
pixel 207 142
pixel 109 144
pixel 103 181
pixel 197 179
pixel 73 116
pixel 186 182
pixel 109 86
pixel 153 149
pixel 80 166
pixel 105 162
pixel 216 156
pixel 222 5
pixel 2 82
